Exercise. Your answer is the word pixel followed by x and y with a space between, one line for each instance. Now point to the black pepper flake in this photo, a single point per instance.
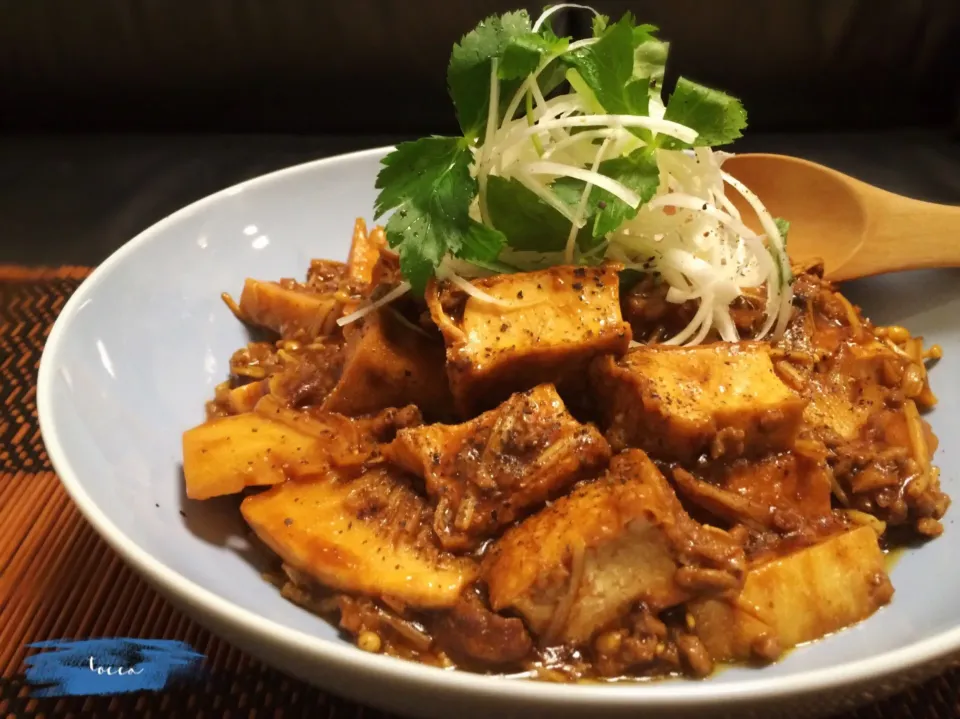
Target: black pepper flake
pixel 578 286
pixel 157 505
pixel 704 205
pixel 520 295
pixel 580 272
pixel 182 513
pixel 602 204
pixel 288 522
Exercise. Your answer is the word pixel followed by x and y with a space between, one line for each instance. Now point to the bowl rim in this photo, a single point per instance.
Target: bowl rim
pixel 203 602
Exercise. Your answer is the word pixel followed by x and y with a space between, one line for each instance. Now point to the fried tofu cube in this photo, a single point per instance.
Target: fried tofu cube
pixel 580 564
pixel 369 535
pixel 292 312
pixel 796 598
pixel 680 402
pixel 555 321
pixel 488 472
pixel 389 365
pixel 843 399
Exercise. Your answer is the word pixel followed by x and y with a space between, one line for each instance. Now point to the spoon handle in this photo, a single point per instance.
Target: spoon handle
pixel 904 234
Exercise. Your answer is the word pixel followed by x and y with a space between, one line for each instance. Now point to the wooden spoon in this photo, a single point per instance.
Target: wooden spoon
pixel 858 230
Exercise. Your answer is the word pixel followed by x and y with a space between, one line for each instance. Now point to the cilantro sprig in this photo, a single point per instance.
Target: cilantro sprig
pixel 432 185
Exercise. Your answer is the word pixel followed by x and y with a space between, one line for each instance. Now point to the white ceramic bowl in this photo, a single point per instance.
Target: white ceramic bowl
pixel 143 342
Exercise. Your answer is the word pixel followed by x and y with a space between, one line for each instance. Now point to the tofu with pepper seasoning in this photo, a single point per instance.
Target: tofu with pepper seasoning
pixel 368 535
pixel 796 598
pixel 680 402
pixel 579 565
pixel 488 472
pixel 388 364
pixel 547 326
pixel 855 388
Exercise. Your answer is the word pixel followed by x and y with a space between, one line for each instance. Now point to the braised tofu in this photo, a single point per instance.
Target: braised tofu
pixel 369 535
pixel 486 473
pixel 783 492
pixel 388 364
pixel 797 598
pixel 855 388
pixel 293 311
pixel 546 327
pixel 580 564
pixel 680 402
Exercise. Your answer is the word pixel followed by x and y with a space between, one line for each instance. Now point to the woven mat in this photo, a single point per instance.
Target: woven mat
pixel 58 579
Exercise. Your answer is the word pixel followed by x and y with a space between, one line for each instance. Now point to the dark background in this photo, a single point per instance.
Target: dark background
pixel 114 113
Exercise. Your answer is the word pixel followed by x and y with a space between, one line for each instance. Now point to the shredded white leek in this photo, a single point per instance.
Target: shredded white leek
pixel 689 233
pixel 491 120
pixel 392 295
pixel 593 177
pixel 559 6
pixel 582 205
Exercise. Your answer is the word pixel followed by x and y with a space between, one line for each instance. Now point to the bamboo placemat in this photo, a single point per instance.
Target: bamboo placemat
pixel 58 579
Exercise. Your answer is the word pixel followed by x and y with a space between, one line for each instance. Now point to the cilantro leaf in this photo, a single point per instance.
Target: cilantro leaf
pixel 429 185
pixel 528 222
pixel 524 53
pixel 606 67
pixel 650 61
pixel 480 243
pixel 531 224
pixel 468 74
pixel 599 24
pixel 644 33
pixel 717 117
pixel 412 165
pixel 638 171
